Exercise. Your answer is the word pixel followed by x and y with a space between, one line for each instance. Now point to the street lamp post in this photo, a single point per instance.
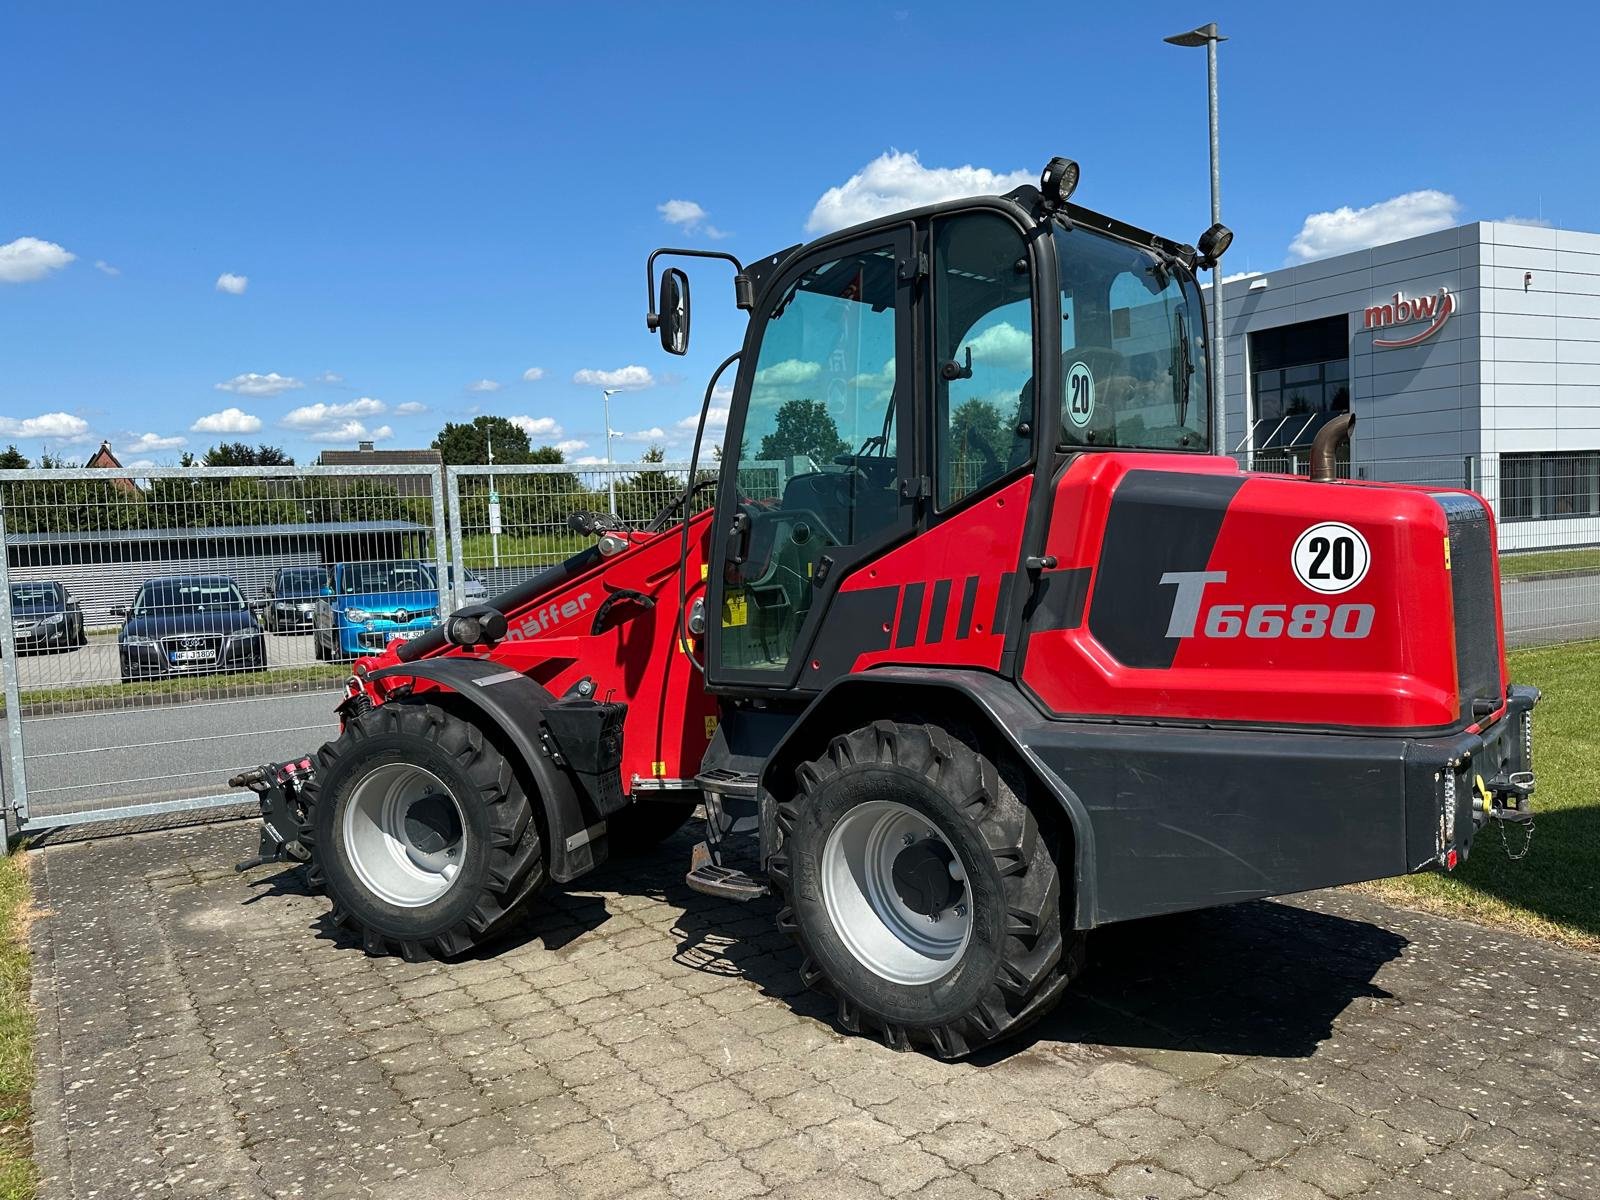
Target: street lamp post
pixel 1207 36
pixel 611 476
pixel 494 499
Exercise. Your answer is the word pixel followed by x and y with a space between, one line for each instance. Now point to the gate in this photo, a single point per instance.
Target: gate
pixel 163 628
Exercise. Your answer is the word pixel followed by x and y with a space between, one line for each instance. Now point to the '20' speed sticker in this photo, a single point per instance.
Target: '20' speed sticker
pixel 1331 558
pixel 1080 394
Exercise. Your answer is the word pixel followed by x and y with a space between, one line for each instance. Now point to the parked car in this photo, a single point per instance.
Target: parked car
pixel 44 616
pixel 189 625
pixel 289 603
pixel 473 589
pixel 374 603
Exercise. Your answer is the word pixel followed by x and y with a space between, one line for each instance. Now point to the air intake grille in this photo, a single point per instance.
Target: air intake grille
pixel 1472 591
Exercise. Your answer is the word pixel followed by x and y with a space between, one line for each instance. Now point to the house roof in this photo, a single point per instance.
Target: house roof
pixel 103 457
pixel 215 533
pixel 379 458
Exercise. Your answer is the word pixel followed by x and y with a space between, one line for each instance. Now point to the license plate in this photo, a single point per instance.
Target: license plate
pixel 405 635
pixel 191 655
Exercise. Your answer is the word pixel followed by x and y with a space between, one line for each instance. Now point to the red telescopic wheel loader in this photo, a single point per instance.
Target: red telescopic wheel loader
pixel 975 643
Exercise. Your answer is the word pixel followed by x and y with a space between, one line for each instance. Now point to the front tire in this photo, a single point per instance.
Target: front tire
pixel 421 833
pixel 922 890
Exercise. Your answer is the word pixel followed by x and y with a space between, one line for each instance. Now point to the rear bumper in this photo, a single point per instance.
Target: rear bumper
pixel 1188 818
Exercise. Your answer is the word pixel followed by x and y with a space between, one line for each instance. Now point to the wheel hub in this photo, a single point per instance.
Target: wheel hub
pixel 404 834
pixel 922 877
pixel 896 893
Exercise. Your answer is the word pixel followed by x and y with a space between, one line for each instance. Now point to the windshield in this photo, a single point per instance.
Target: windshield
pixel 307 579
pixel 34 595
pixel 1132 335
pixel 192 595
pixel 385 577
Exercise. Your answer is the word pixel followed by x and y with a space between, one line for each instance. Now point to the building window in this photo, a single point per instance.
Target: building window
pixel 1549 486
pixel 1300 379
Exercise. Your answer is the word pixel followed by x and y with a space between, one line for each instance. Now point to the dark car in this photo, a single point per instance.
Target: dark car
pixel 189 625
pixel 290 602
pixel 44 616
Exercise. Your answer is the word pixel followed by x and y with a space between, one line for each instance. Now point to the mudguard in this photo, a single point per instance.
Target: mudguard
pixel 513 704
pixel 976 697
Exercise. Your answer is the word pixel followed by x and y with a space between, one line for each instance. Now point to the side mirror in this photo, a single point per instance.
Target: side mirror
pixel 674 322
pixel 326 590
pixel 118 610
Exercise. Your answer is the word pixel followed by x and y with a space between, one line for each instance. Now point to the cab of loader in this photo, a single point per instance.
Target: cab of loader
pixel 898 373
pixel 979 647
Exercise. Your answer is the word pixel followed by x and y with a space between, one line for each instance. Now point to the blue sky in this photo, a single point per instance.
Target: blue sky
pixel 419 198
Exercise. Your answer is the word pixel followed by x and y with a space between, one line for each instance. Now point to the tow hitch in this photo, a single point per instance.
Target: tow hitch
pixel 277 787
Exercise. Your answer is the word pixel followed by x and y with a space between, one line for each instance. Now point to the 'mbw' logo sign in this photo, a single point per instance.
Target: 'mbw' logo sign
pixel 1435 310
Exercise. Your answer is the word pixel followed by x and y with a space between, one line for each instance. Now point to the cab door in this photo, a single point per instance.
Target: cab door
pixel 818 472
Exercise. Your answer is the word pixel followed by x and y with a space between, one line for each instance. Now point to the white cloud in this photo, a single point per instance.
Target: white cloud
pixel 1536 222
pixel 57 425
pixel 349 431
pixel 537 426
pixel 896 180
pixel 329 377
pixel 322 416
pixel 106 268
pixel 588 460
pixel 253 383
pixel 572 445
pixel 1003 345
pixel 484 385
pixel 716 419
pixel 685 214
pixel 30 258
pixel 715 234
pixel 233 284
pixel 630 378
pixel 788 372
pixel 1345 229
pixel 533 375
pixel 229 420
pixel 654 434
pixel 146 442
pixel 410 408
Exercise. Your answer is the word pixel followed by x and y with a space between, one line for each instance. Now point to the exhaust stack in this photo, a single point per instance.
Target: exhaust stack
pixel 1325 447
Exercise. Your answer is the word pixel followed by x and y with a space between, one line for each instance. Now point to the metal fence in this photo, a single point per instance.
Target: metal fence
pixel 162 628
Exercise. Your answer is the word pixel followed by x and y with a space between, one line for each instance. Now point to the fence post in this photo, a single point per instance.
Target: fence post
pixel 457 535
pixel 1469 472
pixel 8 651
pixel 440 549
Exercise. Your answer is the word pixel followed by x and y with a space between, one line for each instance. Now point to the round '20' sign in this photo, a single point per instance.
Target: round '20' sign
pixel 1080 394
pixel 1331 558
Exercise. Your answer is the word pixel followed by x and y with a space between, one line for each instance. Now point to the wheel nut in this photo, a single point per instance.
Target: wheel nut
pixel 908 839
pixel 961 910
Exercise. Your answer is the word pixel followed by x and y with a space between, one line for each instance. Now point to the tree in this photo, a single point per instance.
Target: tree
pixel 242 454
pixel 979 446
pixel 804 428
pixel 12 459
pixel 642 496
pixel 468 445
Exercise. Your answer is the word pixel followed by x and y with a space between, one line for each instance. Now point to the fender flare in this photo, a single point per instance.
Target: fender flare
pixel 512 704
pixel 850 699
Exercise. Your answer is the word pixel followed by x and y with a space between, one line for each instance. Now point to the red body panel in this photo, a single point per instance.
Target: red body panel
pixel 636 658
pixel 979 544
pixel 1401 674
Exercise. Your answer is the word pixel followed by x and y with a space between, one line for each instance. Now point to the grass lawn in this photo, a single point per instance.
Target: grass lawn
pixel 1555 891
pixel 1513 565
pixel 112 695
pixel 17 1177
pixel 521 549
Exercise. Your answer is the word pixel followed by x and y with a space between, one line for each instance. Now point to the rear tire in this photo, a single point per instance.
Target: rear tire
pixel 922 891
pixel 421 833
pixel 638 829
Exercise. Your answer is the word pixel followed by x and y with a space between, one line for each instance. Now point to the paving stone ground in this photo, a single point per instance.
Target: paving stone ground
pixel 205 1034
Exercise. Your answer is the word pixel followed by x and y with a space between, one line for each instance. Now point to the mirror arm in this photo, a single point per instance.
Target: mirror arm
pixel 743 289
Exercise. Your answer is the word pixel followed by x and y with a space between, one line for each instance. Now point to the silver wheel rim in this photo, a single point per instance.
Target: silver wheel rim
pixel 868 911
pixel 403 832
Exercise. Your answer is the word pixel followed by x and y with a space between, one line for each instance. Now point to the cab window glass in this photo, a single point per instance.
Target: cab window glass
pixel 1133 365
pixel 983 346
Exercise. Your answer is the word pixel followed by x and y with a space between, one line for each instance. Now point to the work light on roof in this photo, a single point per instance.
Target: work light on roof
pixel 1214 243
pixel 1059 181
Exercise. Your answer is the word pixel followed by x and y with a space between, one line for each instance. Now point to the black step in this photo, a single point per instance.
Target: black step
pixel 725 882
pixel 729 783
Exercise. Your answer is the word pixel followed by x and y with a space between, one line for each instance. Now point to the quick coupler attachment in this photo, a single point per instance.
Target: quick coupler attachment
pixel 277 788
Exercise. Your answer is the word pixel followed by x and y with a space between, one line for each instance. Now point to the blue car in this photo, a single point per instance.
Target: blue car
pixel 372 604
